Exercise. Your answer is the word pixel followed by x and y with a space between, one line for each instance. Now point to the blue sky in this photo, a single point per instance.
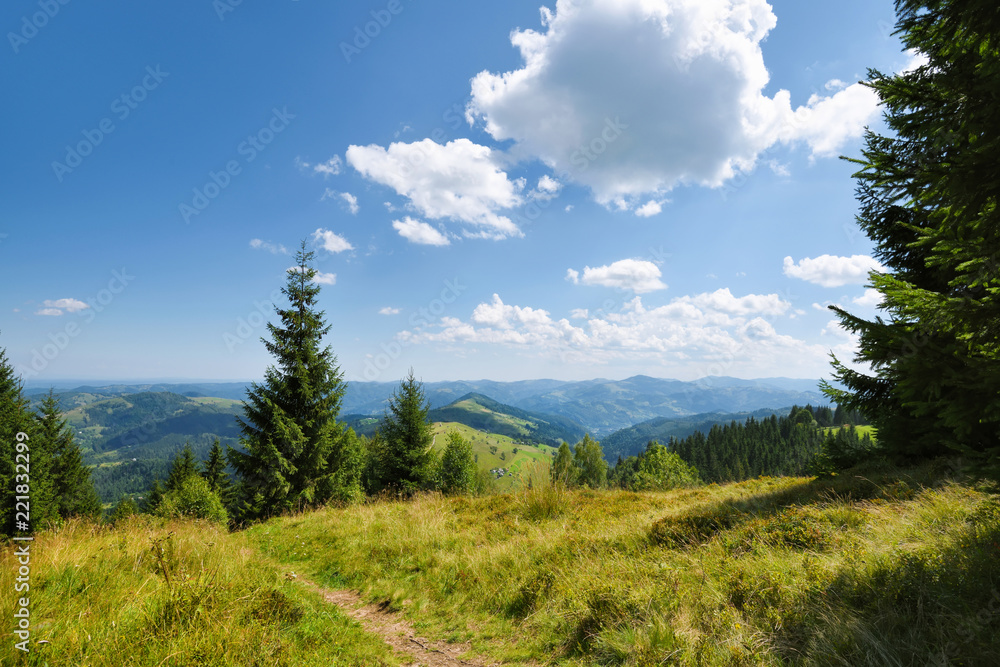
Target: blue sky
pixel 494 190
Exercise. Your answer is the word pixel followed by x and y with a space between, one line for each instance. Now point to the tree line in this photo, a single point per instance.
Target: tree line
pixel 51 472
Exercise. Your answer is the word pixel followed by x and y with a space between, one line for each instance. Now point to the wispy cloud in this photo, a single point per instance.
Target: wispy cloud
pixel 273 248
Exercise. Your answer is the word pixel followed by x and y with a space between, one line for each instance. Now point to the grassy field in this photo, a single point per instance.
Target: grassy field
pixel 881 567
pixel 497 451
pixel 877 569
pixel 179 593
pixel 862 430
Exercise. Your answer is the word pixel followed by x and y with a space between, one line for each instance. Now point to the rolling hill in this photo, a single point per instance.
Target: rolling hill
pixel 485 414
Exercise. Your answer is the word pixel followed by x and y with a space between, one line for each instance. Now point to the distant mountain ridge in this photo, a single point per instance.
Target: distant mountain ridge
pixel 601 406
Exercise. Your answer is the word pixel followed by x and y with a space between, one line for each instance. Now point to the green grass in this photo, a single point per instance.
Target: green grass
pixel 884 568
pixel 861 430
pixel 99 596
pixel 519 464
pixel 875 567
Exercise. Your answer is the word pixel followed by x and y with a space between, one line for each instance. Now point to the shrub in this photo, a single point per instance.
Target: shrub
pixel 194 498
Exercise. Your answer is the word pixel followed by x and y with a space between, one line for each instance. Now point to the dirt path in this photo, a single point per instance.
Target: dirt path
pixel 395 631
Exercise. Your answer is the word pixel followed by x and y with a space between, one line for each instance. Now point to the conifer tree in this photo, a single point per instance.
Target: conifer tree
pixel 73 492
pixel 295 452
pixel 154 497
pixel 214 472
pixel 184 466
pixel 407 464
pixel 928 194
pixel 15 417
pixel 457 472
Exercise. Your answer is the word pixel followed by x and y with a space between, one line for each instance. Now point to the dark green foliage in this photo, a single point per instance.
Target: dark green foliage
pixel 773 447
pixel 128 478
pixel 408 462
pixel 154 497
pixel 185 465
pixel 457 470
pixel 214 472
pixel 49 430
pixel 72 489
pixel 928 199
pixel 296 453
pixel 841 450
pixel 632 441
pixel 14 418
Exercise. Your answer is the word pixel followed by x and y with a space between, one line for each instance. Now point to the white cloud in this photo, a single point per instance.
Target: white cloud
pixel 826 124
pixel 330 241
pixel 870 299
pixel 636 275
pixel 346 197
pixel 831 270
pixel 351 201
pixel 649 209
pixel 706 334
pixel 416 231
pixel 69 305
pixel 388 310
pixel 331 167
pixel 459 181
pixel 632 97
pixel 320 278
pixel 547 188
pixel 325 278
pixel 273 248
pixel 51 312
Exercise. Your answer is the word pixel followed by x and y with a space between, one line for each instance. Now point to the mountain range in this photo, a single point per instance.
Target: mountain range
pixel 601 406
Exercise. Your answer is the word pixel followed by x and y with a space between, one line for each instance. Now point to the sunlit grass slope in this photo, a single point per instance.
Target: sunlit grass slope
pixel 898 568
pixel 498 451
pixel 178 593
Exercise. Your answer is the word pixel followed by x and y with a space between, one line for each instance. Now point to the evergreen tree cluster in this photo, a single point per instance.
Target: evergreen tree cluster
pixel 770 447
pixel 51 472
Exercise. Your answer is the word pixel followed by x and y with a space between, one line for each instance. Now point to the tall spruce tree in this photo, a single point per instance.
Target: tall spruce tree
pixel 407 461
pixel 72 489
pixel 928 199
pixel 295 452
pixel 185 465
pixel 15 417
pixel 214 472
